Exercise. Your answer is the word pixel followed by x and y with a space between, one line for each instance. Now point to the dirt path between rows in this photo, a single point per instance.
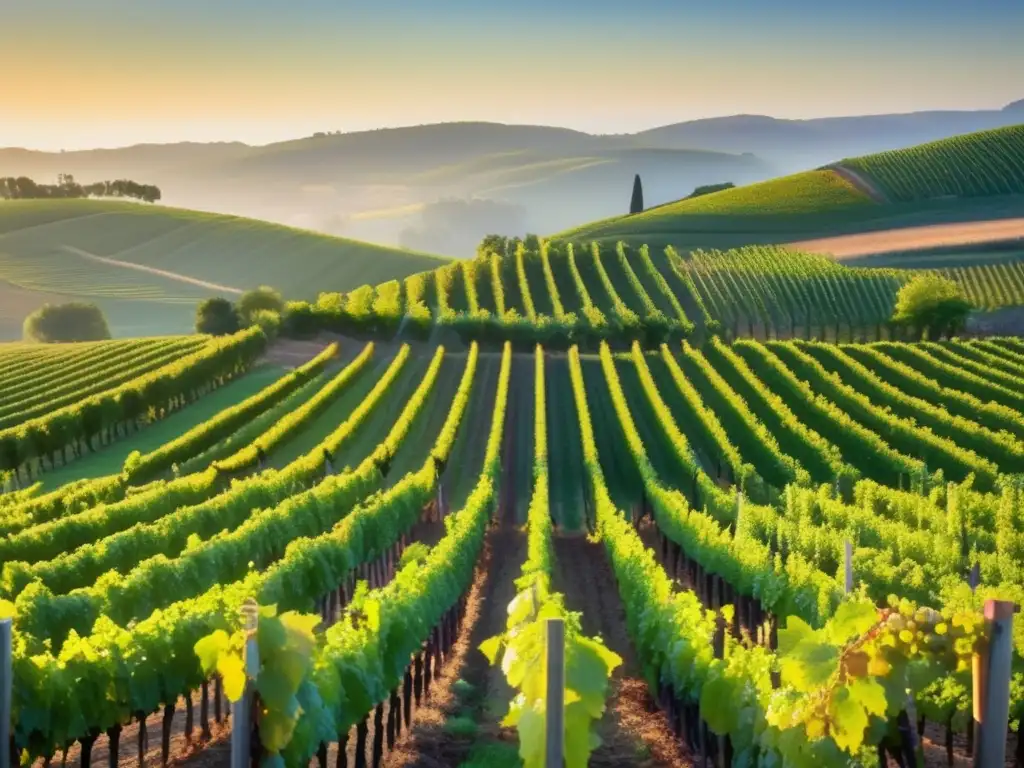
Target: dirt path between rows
pixel 151 270
pixel 633 731
pixel 914 238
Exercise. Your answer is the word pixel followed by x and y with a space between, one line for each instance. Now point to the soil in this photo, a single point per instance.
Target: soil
pixel 633 731
pixel 291 353
pixel 429 744
pixel 914 238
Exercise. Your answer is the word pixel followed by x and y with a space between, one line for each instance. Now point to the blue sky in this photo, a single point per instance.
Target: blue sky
pixel 263 70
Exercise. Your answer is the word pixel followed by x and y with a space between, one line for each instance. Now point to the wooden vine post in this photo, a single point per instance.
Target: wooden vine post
pixel 6 689
pixel 991 667
pixel 241 728
pixel 555 712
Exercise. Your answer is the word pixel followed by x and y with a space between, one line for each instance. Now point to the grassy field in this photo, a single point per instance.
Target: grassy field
pixel 48 248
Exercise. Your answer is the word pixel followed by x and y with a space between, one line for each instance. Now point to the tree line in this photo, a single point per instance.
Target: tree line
pixel 24 188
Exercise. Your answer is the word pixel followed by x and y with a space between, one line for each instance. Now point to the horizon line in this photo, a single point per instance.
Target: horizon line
pixel 406 126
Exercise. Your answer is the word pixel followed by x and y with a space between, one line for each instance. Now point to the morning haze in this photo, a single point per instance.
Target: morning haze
pixel 231 79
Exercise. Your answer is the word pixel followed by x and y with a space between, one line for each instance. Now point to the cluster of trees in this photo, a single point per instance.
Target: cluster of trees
pixel 75 321
pixel 24 188
pixel 707 189
pixel 263 307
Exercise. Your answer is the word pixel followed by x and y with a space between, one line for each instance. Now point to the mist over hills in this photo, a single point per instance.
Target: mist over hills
pixel 414 186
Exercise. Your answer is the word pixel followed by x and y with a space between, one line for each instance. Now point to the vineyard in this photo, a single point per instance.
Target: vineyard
pixel 564 293
pixel 976 164
pixel 752 506
pixel 972 177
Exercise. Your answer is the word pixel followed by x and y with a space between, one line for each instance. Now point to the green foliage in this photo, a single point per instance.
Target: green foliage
pixel 158 389
pixel 75 321
pixel 970 165
pixel 932 305
pixel 707 189
pixel 286 645
pixel 299 320
pixel 636 202
pixel 139 468
pixel 268 321
pixel 217 317
pixel 858 669
pixel 415 553
pixel 260 299
pixel 521 649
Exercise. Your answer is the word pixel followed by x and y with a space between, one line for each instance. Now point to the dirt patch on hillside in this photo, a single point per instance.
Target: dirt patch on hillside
pixel 914 238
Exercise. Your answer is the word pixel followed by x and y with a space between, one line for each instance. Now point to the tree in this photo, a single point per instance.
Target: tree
pixel 76 321
pixel 262 299
pixel 932 306
pixel 217 317
pixel 636 205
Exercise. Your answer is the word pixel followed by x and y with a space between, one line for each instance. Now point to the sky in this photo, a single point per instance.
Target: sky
pixel 103 73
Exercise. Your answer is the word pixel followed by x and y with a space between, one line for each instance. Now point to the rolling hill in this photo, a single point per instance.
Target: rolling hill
pixel 805 143
pixel 342 183
pixel 148 266
pixel 977 176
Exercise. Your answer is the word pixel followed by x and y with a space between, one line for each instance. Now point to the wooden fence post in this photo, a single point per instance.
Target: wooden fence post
pixel 6 688
pixel 555 710
pixel 241 728
pixel 992 684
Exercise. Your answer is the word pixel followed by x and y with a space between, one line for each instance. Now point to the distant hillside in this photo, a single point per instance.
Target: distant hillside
pixel 373 185
pixel 148 266
pixel 976 176
pixel 792 144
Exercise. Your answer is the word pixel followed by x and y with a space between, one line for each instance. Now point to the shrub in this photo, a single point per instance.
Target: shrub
pixel 262 299
pixel 217 317
pixel 66 322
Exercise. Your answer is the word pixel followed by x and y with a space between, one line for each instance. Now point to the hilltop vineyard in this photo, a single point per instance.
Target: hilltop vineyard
pixel 780 522
pixel 985 163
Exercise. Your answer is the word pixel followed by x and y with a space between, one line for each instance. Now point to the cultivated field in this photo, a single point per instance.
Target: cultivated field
pixel 719 477
pixel 585 292
pixel 769 521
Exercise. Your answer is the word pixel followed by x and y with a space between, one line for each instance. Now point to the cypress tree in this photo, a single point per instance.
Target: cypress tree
pixel 636 205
